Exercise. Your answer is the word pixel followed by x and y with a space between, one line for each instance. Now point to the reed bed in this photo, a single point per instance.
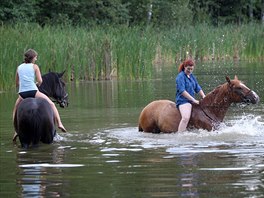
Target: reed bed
pixel 122 52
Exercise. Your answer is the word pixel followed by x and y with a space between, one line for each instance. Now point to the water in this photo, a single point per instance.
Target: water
pixel 104 155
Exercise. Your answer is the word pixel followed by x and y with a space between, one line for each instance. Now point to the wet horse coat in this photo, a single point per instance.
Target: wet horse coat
pixel 34 119
pixel 163 116
pixel 34 122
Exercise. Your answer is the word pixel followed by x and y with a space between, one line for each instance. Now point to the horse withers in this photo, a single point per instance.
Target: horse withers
pixel 33 120
pixel 163 116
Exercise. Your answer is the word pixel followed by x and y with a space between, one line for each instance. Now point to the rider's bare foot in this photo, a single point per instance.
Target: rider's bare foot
pixel 61 127
pixel 15 137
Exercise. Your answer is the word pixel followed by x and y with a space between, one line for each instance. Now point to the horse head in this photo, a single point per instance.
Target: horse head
pixel 240 92
pixel 61 94
pixel 53 86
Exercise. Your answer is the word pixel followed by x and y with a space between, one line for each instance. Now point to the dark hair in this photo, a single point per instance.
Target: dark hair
pixel 187 62
pixel 30 54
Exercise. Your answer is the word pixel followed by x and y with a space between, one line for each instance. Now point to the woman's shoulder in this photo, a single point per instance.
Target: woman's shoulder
pixel 35 66
pixel 180 75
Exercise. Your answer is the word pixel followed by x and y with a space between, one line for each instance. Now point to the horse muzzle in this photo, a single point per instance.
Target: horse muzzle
pixel 63 102
pixel 252 97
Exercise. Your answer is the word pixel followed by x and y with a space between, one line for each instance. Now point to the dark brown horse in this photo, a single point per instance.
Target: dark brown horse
pixel 34 119
pixel 163 116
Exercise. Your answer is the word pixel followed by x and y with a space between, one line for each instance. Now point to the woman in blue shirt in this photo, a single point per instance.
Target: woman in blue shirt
pixel 186 87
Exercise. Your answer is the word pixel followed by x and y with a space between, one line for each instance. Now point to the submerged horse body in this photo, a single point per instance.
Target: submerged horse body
pixel 33 120
pixel 163 116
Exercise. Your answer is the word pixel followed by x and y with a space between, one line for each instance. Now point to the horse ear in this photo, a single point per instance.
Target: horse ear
pixel 236 78
pixel 61 74
pixel 228 79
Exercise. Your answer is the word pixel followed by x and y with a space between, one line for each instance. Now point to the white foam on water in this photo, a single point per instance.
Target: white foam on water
pixel 245 130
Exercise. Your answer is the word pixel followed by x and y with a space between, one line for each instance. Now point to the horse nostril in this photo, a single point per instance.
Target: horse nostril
pixel 248 100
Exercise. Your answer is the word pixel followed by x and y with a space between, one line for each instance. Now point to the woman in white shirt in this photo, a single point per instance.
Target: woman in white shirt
pixel 26 74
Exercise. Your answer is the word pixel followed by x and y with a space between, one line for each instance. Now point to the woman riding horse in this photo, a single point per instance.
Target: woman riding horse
pixel 163 116
pixel 25 79
pixel 187 85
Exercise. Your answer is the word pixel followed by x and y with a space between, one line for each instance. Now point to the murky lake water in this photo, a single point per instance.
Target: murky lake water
pixel 104 155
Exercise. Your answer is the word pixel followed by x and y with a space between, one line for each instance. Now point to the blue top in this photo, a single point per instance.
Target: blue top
pixel 26 75
pixel 183 83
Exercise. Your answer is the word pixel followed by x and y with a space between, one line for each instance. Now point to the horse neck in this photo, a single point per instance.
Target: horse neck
pixel 45 86
pixel 217 102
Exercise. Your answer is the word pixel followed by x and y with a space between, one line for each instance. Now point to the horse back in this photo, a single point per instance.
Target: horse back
pixel 159 116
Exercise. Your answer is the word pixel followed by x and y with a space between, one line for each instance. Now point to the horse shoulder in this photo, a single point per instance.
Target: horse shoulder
pixel 200 120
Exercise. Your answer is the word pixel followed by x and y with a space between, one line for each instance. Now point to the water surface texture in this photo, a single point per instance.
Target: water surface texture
pixel 104 155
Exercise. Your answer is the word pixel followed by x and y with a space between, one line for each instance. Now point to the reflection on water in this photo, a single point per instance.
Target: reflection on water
pixel 104 155
pixel 34 180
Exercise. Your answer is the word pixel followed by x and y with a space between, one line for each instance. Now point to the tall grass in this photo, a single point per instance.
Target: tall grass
pixel 122 52
pixel 203 42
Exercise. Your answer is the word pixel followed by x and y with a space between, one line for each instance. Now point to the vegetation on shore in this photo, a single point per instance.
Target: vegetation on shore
pixel 122 52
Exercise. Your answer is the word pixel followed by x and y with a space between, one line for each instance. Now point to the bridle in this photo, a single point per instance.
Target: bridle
pixel 244 95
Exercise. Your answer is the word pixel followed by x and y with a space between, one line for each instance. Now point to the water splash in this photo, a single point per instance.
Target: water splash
pixel 245 129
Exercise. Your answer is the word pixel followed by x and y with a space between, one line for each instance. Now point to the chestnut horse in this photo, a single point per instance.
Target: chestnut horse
pixel 163 116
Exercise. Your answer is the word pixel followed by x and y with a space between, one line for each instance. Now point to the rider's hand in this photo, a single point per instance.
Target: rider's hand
pixel 196 101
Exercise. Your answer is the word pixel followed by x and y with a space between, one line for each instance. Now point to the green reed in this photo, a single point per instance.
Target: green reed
pixel 122 52
pixel 203 42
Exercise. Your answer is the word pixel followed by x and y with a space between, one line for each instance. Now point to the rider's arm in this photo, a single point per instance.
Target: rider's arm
pixel 38 75
pixel 189 97
pixel 17 80
pixel 201 93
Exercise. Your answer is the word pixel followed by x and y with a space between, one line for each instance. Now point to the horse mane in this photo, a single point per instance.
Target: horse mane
pixel 48 81
pixel 219 92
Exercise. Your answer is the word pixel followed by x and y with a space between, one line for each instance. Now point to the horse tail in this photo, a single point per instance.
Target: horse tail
pixel 36 129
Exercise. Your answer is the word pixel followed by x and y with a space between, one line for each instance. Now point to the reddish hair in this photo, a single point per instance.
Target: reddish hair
pixel 187 62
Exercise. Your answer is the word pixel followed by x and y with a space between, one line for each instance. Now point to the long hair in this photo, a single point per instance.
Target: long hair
pixel 29 55
pixel 187 62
